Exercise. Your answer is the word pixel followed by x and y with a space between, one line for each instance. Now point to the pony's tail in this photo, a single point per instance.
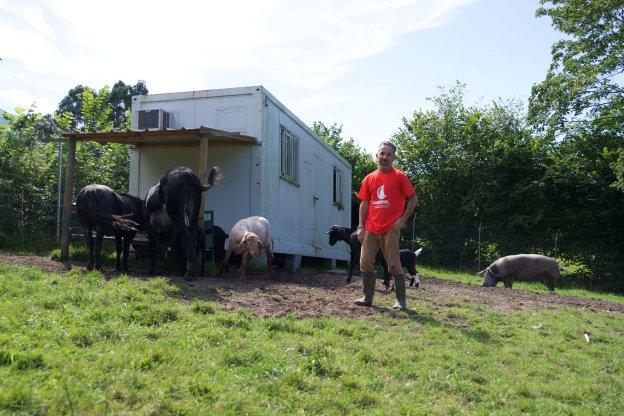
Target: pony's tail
pixel 121 223
pixel 214 177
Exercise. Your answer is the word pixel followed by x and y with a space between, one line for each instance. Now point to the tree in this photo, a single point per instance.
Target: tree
pixel 581 103
pixel 471 166
pixel 118 100
pixel 96 110
pixel 27 180
pixel 72 104
pixel 584 82
pixel 580 186
pixel 362 163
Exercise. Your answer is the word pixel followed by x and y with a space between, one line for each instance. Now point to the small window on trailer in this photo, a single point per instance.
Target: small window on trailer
pixel 289 156
pixel 337 197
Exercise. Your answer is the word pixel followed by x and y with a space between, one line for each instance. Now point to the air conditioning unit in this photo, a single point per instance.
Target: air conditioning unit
pixel 153 119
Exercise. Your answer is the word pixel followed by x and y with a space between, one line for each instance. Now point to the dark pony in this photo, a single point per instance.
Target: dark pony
pixel 109 213
pixel 172 213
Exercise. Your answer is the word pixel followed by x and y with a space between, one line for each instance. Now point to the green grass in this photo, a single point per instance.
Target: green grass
pixel 562 286
pixel 77 344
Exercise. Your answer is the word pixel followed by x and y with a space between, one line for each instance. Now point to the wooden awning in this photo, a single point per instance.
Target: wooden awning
pixel 166 137
pixel 203 137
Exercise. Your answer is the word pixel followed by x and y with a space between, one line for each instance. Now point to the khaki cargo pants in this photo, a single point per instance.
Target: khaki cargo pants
pixel 389 244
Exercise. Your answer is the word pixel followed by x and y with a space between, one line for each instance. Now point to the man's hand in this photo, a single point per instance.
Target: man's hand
pixel 398 224
pixel 360 234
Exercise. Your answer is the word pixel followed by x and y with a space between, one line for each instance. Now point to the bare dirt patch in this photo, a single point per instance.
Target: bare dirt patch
pixel 45 264
pixel 327 294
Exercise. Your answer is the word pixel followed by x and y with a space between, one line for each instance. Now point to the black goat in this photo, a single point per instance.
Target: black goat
pixel 408 257
pixel 109 213
pixel 218 243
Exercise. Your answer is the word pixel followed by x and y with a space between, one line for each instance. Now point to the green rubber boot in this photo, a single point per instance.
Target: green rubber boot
pixel 399 289
pixel 368 281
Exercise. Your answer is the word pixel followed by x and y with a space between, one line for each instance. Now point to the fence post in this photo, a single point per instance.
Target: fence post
pixel 22 219
pixel 413 227
pixel 556 238
pixel 67 205
pixel 50 120
pixel 58 192
pixel 479 250
pixel 461 259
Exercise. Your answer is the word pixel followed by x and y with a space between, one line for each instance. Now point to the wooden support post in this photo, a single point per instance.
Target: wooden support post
pixel 293 263
pixel 67 199
pixel 203 168
pixel 330 263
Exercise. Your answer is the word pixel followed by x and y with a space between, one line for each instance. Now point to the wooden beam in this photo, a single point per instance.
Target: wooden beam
pixel 172 137
pixel 203 168
pixel 67 199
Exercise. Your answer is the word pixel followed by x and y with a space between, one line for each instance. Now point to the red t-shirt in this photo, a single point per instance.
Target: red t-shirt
pixel 385 193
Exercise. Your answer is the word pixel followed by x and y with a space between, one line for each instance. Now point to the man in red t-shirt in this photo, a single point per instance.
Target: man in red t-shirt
pixel 382 215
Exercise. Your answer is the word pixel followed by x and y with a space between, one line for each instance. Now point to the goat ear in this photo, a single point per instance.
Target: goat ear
pixel 260 245
pixel 482 271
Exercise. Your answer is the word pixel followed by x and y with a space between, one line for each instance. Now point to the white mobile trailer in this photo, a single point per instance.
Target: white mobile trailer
pixel 290 176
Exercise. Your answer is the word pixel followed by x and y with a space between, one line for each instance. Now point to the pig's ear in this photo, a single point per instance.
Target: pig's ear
pixel 492 272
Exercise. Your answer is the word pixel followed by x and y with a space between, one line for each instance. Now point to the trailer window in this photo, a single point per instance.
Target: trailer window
pixel 290 156
pixel 338 188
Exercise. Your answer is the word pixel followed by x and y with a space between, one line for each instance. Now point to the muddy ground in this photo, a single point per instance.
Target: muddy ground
pixel 327 294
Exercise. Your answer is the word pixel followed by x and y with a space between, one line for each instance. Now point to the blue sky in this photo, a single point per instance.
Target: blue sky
pixel 362 63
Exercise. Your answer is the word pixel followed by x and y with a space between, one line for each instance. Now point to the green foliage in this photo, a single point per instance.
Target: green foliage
pixel 472 165
pixel 72 104
pixel 29 153
pixel 587 206
pixel 584 81
pixel 362 163
pixel 73 345
pixel 618 169
pixel 117 102
pixel 483 166
pixel 27 180
pixel 581 102
pixel 95 110
pixel 120 101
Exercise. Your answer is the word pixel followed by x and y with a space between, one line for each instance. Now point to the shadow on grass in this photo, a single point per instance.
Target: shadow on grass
pixel 585 282
pixel 480 336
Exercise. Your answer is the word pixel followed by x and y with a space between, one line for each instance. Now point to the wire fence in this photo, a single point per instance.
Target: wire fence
pixel 472 249
pixel 27 221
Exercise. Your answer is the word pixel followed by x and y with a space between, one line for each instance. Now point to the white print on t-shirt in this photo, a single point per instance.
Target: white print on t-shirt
pixel 381 194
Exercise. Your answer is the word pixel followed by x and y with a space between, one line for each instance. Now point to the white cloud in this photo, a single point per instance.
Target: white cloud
pixel 173 45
